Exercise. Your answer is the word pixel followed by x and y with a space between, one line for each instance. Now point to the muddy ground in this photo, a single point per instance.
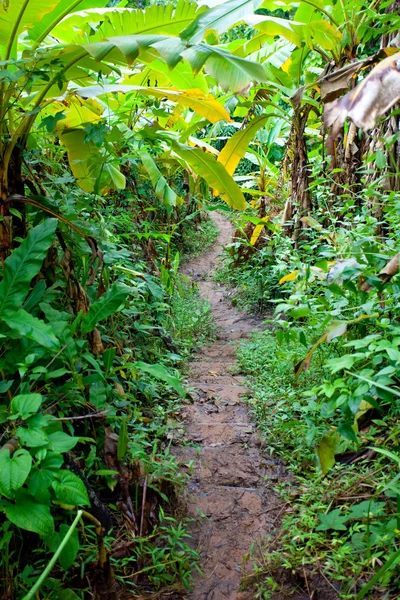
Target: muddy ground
pixel 228 492
pixel 231 493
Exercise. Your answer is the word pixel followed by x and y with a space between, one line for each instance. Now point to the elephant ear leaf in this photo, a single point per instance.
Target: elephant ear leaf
pixel 23 264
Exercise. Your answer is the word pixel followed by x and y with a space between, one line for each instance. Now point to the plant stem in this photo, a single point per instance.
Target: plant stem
pixel 392 558
pixel 57 553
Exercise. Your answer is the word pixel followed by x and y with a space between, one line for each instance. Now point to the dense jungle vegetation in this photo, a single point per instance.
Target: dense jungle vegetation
pixel 122 124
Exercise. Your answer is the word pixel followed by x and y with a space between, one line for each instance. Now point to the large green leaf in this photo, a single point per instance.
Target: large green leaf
pixel 163 191
pixel 32 438
pixel 333 520
pixel 25 405
pixel 127 48
pixel 229 71
pixel 23 264
pixel 28 514
pixel 95 25
pixel 45 472
pixel 89 164
pixel 70 550
pixel 106 305
pixel 236 147
pixel 203 104
pixel 70 489
pixel 180 77
pixel 206 166
pixel 60 441
pixel 32 328
pixel 42 27
pixel 326 450
pixel 274 26
pixel 219 19
pixel 17 16
pixel 13 470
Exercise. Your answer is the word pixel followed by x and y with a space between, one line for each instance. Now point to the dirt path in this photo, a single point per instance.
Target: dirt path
pixel 228 487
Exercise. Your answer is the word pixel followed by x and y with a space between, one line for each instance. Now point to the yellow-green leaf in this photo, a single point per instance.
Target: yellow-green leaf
pixel 290 277
pixel 326 451
pixel 205 165
pixel 203 104
pixel 237 145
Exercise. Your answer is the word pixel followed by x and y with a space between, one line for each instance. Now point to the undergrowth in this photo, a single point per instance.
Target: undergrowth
pixel 341 526
pixel 91 385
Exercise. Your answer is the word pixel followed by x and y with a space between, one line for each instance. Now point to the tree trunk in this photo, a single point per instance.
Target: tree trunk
pixel 10 225
pixel 299 204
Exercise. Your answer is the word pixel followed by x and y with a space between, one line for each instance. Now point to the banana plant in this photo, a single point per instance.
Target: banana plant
pixel 50 65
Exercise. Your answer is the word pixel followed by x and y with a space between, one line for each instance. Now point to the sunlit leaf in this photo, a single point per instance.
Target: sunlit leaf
pixel 205 165
pixel 236 147
pixel 290 276
pixel 220 18
pixel 161 187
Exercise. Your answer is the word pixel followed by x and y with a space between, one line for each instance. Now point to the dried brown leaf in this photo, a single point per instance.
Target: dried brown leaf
pixel 368 101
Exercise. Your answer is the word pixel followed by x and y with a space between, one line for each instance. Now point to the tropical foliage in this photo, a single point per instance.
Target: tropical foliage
pixel 119 126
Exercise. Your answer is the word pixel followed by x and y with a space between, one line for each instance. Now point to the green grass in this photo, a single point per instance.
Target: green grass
pixel 343 525
pixel 199 238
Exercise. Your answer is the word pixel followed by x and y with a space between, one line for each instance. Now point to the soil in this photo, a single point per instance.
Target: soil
pixel 228 493
pixel 231 492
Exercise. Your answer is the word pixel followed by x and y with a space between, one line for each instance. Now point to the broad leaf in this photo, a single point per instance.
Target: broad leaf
pixel 62 442
pixel 70 489
pixel 25 405
pixel 219 19
pixel 97 24
pixel 60 12
pixel 28 514
pixel 89 164
pixel 256 233
pixel 337 329
pixel 229 71
pixel 201 103
pixel 17 16
pixel 106 305
pixel 326 450
pixel 289 277
pixel 342 362
pixel 333 520
pixel 45 472
pixel 274 26
pixel 206 166
pixel 368 101
pixel 236 147
pixel 163 191
pixel 32 438
pixel 70 550
pixel 23 264
pixel 13 470
pixel 32 328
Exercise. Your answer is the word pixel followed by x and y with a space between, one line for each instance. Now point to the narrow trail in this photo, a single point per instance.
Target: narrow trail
pixel 230 492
